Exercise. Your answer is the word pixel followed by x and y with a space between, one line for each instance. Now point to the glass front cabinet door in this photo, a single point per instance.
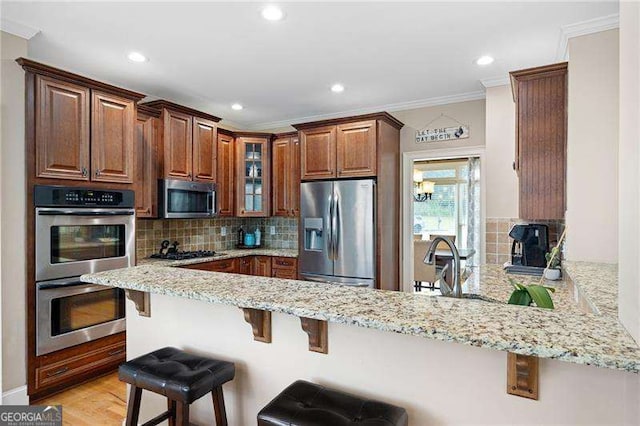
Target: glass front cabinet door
pixel 253 163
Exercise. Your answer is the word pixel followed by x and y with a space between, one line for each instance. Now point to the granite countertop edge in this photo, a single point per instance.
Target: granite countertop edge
pixel 222 255
pixel 580 338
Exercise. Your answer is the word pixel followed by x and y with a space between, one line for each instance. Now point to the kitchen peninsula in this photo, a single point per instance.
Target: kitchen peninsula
pixel 181 307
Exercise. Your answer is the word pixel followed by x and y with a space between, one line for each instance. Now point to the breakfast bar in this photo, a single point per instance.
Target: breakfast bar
pixel 391 335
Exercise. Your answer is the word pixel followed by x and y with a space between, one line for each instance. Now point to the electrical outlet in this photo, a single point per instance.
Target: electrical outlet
pixel 272 230
pixel 223 231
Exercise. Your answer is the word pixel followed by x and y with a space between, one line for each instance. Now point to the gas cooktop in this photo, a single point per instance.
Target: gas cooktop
pixel 181 255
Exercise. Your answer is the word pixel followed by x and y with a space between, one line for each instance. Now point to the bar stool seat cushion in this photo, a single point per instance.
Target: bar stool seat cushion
pixel 308 404
pixel 178 375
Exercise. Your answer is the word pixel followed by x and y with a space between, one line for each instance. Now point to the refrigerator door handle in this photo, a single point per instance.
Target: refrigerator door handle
pixel 336 227
pixel 330 228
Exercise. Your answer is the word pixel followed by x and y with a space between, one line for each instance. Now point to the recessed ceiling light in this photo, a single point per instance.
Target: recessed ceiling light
pixel 337 88
pixel 272 13
pixel 484 60
pixel 137 57
pixel 236 107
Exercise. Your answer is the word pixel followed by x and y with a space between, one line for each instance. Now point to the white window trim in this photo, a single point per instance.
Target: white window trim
pixel 406 224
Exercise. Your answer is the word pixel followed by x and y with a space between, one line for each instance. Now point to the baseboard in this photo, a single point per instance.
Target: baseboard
pixel 15 396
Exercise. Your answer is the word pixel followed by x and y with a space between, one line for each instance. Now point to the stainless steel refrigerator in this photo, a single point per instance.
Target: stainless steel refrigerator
pixel 338 232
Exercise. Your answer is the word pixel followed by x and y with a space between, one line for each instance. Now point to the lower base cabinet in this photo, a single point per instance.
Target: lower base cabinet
pixel 261 266
pixel 284 267
pixel 69 367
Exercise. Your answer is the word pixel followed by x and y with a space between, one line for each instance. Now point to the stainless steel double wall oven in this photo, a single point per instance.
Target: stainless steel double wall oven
pixel 80 231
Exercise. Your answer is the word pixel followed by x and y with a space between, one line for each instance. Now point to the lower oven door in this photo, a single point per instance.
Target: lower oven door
pixel 70 312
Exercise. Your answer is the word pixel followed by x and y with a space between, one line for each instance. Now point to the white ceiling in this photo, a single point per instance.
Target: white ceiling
pixel 210 55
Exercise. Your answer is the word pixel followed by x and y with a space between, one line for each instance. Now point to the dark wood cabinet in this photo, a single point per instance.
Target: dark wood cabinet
pixel 286 175
pixel 318 153
pixel 62 129
pixel 261 266
pixel 204 150
pixel 146 164
pixel 226 265
pixel 112 138
pixel 189 139
pixel 178 145
pixel 356 149
pixel 540 95
pixel 245 265
pixel 284 267
pixel 226 171
pixel 253 179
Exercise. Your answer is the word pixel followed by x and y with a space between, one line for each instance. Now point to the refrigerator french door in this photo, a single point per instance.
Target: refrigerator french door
pixel 338 225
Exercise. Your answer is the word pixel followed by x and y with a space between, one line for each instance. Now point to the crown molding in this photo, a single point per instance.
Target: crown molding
pixel 400 106
pixel 495 81
pixel 603 23
pixel 18 29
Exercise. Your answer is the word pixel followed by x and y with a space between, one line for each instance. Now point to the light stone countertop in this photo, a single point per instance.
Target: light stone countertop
pixel 597 282
pixel 564 334
pixel 222 255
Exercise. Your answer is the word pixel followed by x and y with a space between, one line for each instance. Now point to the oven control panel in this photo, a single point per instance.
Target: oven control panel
pixel 52 196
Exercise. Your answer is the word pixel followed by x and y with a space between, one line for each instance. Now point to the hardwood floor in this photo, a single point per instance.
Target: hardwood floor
pixel 100 402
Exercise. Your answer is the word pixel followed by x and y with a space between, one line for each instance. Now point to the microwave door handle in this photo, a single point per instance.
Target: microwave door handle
pixel 211 202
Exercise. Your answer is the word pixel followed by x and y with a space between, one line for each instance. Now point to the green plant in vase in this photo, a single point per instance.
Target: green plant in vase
pixel 525 295
pixel 552 271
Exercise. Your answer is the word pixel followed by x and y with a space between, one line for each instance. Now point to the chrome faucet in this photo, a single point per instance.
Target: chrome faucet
pixel 430 258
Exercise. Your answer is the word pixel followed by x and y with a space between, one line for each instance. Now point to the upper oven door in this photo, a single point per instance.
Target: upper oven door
pixel 184 199
pixel 76 241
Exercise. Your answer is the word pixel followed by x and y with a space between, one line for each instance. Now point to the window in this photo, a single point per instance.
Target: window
pixel 446 212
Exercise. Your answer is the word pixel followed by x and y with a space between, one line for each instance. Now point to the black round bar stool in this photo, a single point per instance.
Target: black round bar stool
pixel 179 376
pixel 308 404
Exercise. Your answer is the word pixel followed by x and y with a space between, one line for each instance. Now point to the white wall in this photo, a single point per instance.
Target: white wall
pixel 502 180
pixel 592 148
pixel 13 214
pixel 629 173
pixel 437 382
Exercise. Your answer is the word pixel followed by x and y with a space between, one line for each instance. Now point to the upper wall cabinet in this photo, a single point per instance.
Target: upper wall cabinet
pixel 189 142
pixel 62 151
pixel 226 174
pixel 81 129
pixel 540 95
pixel 285 189
pixel 112 138
pixel 341 148
pixel 146 167
pixel 253 163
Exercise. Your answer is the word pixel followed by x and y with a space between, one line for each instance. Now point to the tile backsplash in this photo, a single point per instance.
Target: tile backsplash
pixel 206 234
pixel 498 240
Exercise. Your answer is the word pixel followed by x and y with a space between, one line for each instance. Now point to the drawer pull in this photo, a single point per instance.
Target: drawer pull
pixel 116 351
pixel 283 263
pixel 58 372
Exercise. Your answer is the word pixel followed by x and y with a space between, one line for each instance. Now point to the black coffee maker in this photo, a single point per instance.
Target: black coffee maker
pixel 530 244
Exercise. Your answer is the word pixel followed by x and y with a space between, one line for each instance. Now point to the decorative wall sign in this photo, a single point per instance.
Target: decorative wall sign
pixel 440 134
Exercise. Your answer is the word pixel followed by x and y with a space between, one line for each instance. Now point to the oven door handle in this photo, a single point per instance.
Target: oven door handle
pixel 87 213
pixel 66 285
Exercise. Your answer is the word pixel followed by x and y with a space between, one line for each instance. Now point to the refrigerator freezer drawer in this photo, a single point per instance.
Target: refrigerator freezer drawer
pixel 330 279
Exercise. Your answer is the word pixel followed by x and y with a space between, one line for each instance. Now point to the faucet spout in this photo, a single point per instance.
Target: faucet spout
pixel 430 259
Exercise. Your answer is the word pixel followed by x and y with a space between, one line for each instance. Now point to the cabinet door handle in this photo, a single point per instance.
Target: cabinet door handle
pixel 115 351
pixel 84 172
pixel 189 175
pixel 98 172
pixel 57 372
pixel 514 165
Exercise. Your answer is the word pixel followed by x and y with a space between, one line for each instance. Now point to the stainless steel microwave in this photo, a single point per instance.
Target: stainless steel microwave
pixel 180 199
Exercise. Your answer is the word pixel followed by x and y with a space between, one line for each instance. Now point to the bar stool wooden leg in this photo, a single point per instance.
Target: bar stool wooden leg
pixel 171 408
pixel 133 408
pixel 218 406
pixel 182 414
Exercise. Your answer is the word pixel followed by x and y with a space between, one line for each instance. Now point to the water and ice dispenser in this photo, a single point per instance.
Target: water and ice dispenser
pixel 313 234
